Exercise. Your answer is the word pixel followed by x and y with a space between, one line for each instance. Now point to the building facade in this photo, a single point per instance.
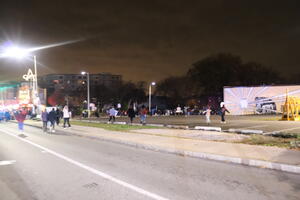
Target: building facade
pixel 76 81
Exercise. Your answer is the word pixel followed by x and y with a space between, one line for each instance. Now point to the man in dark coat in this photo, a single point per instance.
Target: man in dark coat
pixel 52 119
pixel 131 113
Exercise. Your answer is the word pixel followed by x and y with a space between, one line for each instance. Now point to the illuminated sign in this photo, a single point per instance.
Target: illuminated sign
pixel 257 100
pixel 29 76
pixel 24 95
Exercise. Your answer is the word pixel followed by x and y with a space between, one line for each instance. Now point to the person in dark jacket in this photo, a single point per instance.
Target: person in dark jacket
pixel 58 116
pixel 223 112
pixel 52 119
pixel 44 117
pixel 131 113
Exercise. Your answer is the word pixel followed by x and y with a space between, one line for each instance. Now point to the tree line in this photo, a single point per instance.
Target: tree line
pixel 207 77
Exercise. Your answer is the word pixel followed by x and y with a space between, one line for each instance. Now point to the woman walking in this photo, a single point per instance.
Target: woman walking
pixel 66 116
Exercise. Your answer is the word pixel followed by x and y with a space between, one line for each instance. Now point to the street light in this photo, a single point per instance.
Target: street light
pixel 150 87
pixel 88 91
pixel 20 53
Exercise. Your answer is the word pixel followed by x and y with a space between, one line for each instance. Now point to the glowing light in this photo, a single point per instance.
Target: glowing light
pixel 153 83
pixel 19 52
pixel 15 52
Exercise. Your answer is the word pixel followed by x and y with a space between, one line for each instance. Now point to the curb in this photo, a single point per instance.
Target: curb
pixel 245 131
pixel 201 155
pixel 208 128
pixel 208 156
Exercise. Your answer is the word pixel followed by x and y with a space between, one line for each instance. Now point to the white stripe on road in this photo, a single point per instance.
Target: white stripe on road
pixel 90 169
pixel 7 162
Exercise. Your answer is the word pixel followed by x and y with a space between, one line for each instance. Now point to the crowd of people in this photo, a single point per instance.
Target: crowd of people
pixel 5 115
pixel 143 111
pixel 54 116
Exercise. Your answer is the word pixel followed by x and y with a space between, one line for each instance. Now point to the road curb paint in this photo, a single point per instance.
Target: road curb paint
pixel 245 131
pixel 208 128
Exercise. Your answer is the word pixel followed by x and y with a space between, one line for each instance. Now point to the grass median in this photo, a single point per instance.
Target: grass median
pixel 112 127
pixel 272 141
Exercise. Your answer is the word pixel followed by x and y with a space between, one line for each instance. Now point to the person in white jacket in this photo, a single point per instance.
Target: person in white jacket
pixel 207 114
pixel 66 115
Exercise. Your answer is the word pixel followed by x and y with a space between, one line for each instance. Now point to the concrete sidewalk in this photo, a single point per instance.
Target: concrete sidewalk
pixel 166 140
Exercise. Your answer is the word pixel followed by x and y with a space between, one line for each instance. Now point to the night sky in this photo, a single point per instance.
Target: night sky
pixel 150 40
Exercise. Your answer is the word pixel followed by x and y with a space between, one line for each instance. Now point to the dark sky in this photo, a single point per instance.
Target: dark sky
pixel 150 40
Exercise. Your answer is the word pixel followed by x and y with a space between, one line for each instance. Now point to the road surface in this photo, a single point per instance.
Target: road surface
pixel 61 166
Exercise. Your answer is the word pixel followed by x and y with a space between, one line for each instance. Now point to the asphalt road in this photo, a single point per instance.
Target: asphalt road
pixel 63 166
pixel 257 122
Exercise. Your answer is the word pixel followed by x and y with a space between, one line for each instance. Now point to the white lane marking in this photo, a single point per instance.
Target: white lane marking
pixel 283 130
pixel 7 162
pixel 90 169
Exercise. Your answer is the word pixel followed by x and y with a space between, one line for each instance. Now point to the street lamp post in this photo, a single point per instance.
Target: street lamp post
pixel 19 53
pixel 35 75
pixel 150 87
pixel 88 91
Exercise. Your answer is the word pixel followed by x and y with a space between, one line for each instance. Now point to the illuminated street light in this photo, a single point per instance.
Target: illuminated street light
pixel 15 52
pixel 150 87
pixel 88 91
pixel 19 53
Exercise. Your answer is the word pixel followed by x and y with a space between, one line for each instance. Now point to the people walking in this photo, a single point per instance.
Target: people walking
pixel 207 114
pixel 44 117
pixel 7 115
pixel 143 114
pixel 20 116
pixel 66 115
pixel 131 113
pixel 52 120
pixel 223 112
pixel 58 116
pixel 112 113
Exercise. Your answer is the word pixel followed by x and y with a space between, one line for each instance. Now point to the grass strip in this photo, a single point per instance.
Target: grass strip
pixel 112 127
pixel 269 141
